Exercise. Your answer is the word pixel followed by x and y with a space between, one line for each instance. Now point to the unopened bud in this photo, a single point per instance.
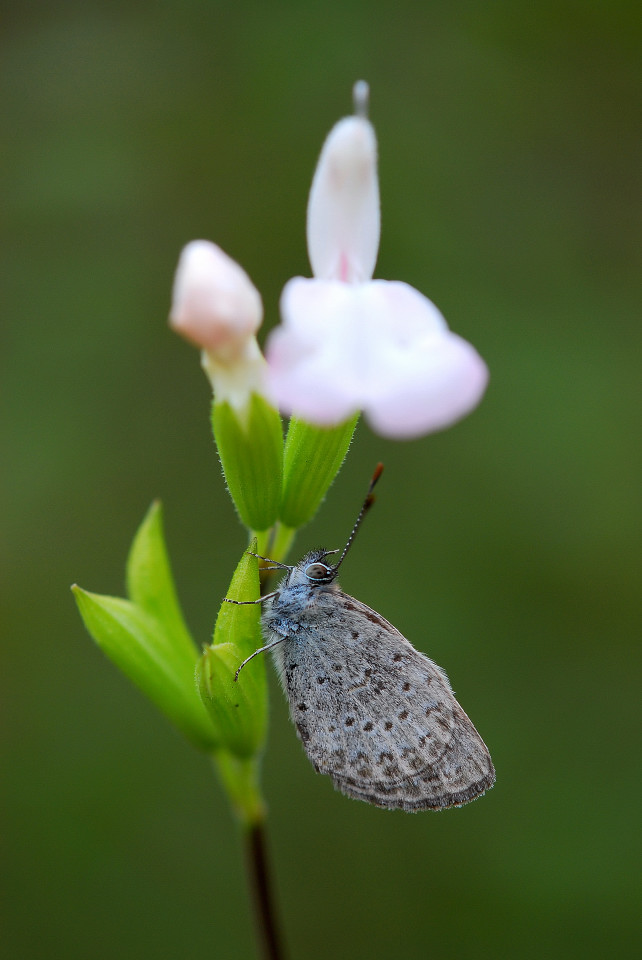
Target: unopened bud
pixel 215 305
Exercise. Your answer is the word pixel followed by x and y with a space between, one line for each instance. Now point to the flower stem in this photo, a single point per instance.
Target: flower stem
pixel 283 539
pixel 241 781
pixel 262 894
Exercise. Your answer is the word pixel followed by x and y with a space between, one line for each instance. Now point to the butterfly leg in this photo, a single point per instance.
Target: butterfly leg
pixel 240 603
pixel 260 650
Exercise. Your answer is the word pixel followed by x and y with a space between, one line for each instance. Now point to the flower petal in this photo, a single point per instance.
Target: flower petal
pixel 343 209
pixel 379 346
pixel 428 388
pixel 303 381
pixel 309 371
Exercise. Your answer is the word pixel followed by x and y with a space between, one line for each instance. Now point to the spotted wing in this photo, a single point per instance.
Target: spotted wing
pixel 377 716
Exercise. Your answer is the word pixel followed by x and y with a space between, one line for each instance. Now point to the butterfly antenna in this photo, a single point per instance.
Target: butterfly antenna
pixel 276 565
pixel 367 503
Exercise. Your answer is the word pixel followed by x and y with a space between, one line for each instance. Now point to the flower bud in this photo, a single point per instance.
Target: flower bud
pixel 215 305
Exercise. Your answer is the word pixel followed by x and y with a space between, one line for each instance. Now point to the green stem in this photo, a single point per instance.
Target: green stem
pixel 241 781
pixel 263 538
pixel 283 539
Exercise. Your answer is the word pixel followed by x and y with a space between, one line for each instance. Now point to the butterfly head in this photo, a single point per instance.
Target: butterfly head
pixel 314 568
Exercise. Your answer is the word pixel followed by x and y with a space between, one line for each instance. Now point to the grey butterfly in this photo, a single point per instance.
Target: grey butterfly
pixel 372 712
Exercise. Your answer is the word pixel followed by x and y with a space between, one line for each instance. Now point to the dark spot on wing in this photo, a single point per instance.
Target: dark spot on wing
pixel 355 634
pixel 302 706
pixel 349 721
pixel 403 715
pixel 336 666
pixel 367 726
pixel 397 657
pixel 388 725
pixel 321 679
pixel 406 686
pixel 375 618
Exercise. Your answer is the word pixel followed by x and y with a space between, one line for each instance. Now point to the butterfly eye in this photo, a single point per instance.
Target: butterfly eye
pixel 317 571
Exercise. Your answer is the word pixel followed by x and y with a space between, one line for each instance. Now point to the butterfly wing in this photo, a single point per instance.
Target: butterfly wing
pixel 376 715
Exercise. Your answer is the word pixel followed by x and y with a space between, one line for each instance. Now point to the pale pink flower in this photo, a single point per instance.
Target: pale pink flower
pixel 216 306
pixel 350 343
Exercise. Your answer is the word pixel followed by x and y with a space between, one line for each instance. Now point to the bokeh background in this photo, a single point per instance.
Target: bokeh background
pixel 506 548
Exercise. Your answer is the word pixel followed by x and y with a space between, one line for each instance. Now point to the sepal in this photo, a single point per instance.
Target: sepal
pixel 250 445
pixel 312 459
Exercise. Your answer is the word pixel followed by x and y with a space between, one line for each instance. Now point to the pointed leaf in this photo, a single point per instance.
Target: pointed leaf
pixel 240 624
pixel 238 708
pixel 138 645
pixel 150 583
pixel 234 707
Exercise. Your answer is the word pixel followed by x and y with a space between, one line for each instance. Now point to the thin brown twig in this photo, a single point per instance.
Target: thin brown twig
pixel 271 942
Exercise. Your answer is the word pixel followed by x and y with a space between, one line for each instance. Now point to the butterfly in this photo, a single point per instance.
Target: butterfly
pixel 373 713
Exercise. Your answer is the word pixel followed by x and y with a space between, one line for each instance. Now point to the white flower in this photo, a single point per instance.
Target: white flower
pixel 216 306
pixel 350 343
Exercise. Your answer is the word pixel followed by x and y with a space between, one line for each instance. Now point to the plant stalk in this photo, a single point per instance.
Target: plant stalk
pixel 268 931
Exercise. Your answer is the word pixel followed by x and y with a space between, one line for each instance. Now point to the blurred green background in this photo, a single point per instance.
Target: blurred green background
pixel 506 548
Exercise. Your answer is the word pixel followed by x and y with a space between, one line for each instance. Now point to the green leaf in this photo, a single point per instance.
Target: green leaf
pixel 150 584
pixel 313 457
pixel 251 450
pixel 238 709
pixel 139 646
